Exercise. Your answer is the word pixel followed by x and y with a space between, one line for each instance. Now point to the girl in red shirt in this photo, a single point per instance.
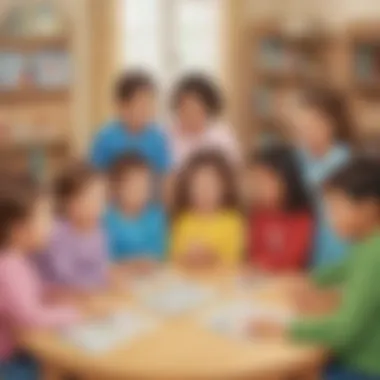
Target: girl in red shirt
pixel 281 221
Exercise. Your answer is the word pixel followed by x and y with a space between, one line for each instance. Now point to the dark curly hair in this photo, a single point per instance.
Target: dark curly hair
pixel 131 82
pixel 330 103
pixel 202 87
pixel 18 195
pixel 282 160
pixel 215 160
pixel 71 180
pixel 359 179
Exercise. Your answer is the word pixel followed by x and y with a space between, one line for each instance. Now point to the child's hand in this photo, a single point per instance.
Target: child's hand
pixel 266 329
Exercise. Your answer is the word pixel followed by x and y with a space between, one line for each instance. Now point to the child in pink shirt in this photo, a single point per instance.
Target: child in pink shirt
pixel 25 221
pixel 197 104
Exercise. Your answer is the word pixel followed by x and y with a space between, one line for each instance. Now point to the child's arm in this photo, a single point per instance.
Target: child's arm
pixel 360 301
pixel 25 306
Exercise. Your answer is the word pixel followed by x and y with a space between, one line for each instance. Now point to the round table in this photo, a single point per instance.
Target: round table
pixel 180 348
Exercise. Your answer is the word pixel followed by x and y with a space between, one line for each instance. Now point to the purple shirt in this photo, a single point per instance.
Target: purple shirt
pixel 75 259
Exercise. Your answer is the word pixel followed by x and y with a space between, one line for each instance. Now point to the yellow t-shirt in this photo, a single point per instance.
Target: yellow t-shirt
pixel 222 232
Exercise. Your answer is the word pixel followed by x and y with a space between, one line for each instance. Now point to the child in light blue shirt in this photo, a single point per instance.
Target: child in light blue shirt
pixel 136 228
pixel 321 127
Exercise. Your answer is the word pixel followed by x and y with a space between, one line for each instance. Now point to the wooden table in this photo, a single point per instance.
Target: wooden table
pixel 180 348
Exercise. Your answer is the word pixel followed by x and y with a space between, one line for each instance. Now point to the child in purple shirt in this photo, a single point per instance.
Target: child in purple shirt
pixel 77 256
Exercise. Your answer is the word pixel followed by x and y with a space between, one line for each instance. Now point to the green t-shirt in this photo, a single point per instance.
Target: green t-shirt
pixel 353 331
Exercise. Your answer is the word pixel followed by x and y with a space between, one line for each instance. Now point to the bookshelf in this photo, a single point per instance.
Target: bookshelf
pixel 280 63
pixel 36 94
pixel 363 57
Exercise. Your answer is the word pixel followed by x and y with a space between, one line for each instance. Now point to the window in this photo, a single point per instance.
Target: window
pixel 170 37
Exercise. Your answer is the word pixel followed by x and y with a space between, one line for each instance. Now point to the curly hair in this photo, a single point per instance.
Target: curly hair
pixel 208 158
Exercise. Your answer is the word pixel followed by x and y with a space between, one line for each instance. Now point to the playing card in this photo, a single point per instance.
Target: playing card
pixel 177 298
pixel 232 319
pixel 103 335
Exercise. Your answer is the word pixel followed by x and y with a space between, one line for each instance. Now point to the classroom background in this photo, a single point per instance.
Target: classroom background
pixel 59 60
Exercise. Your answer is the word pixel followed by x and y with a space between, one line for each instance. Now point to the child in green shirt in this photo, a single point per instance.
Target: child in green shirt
pixel 352 331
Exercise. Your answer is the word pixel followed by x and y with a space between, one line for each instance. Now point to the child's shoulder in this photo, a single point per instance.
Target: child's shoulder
pixel 155 210
pixel 109 129
pixel 157 132
pixel 12 263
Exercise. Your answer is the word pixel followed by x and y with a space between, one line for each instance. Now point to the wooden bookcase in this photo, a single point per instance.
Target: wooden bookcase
pixel 363 62
pixel 35 117
pixel 281 62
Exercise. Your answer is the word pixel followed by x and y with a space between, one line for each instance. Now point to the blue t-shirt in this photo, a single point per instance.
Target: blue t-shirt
pixel 328 247
pixel 141 236
pixel 114 140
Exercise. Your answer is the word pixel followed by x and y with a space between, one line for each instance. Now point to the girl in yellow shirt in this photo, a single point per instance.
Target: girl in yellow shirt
pixel 207 226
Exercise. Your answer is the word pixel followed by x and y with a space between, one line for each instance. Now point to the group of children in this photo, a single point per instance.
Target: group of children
pixel 149 195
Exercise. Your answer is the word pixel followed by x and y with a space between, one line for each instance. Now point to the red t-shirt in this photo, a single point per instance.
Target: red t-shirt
pixel 280 241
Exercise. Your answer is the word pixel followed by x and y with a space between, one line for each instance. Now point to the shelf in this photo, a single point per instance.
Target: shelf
pixel 15 147
pixel 34 43
pixel 33 95
pixel 367 87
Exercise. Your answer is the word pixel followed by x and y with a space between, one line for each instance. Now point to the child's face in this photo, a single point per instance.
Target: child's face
pixel 350 218
pixel 267 188
pixel 191 113
pixel 206 189
pixel 311 128
pixel 33 234
pixel 135 189
pixel 140 110
pixel 88 205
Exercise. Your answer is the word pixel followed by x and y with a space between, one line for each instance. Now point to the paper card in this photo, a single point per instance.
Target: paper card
pixel 177 297
pixel 103 335
pixel 232 319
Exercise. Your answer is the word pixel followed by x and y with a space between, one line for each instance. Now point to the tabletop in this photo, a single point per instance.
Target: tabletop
pixel 181 347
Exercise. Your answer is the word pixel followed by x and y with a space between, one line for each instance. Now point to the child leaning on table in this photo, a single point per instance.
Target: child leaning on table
pixel 136 225
pixel 280 224
pixel 76 259
pixel 352 331
pixel 25 221
pixel 207 226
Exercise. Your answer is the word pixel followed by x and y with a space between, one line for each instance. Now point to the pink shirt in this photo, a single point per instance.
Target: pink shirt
pixel 216 136
pixel 21 302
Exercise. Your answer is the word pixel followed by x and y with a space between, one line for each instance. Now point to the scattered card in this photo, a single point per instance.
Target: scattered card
pixel 103 335
pixel 232 319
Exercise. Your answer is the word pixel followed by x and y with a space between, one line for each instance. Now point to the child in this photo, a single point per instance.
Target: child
pixel 280 224
pixel 207 227
pixel 77 254
pixel 197 103
pixel 134 130
pixel 352 332
pixel 135 226
pixel 24 227
pixel 322 134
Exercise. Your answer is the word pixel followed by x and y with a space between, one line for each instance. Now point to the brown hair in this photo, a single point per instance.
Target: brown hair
pixel 17 199
pixel 217 161
pixel 130 83
pixel 124 165
pixel 331 104
pixel 71 181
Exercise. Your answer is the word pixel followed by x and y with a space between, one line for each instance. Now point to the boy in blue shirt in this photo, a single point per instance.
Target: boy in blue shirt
pixel 136 227
pixel 134 130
